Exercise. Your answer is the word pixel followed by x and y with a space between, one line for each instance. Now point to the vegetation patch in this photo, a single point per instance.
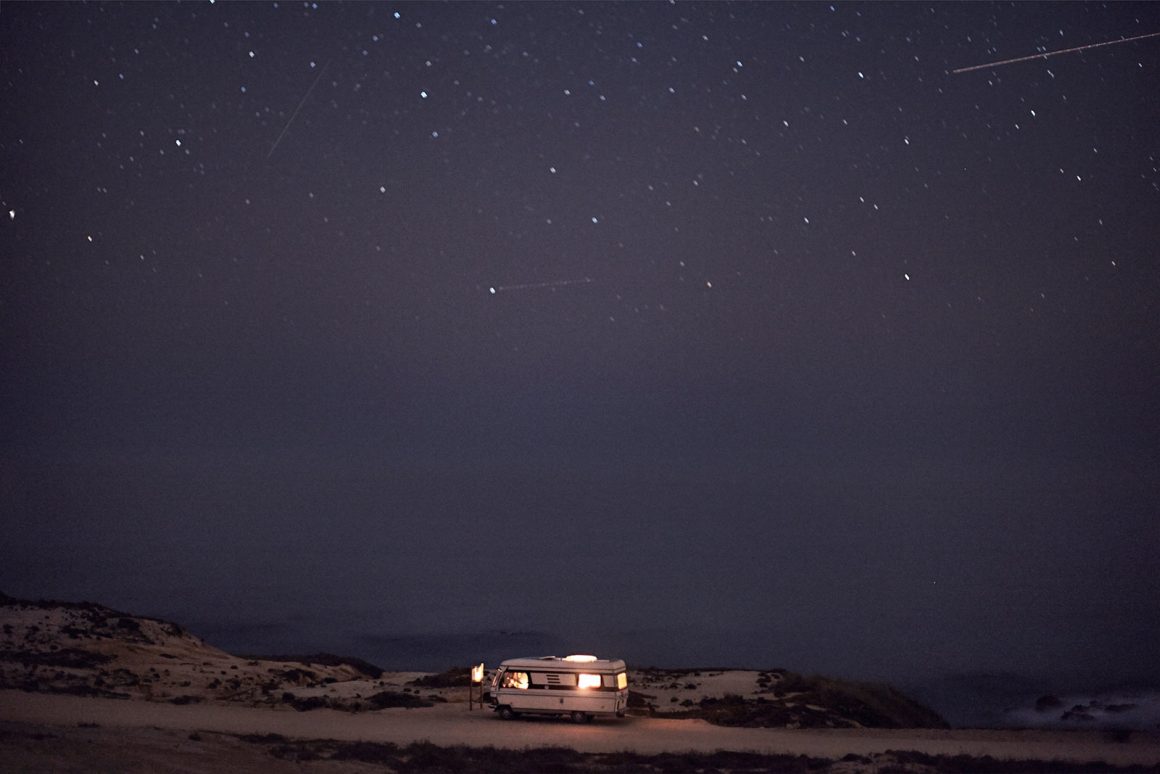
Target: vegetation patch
pixel 430 758
pixel 186 699
pixel 326 659
pixel 263 738
pixel 908 760
pixel 305 703
pixel 427 757
pixel 297 676
pixel 789 700
pixel 387 699
pixel 68 689
pixel 872 705
pixel 378 701
pixel 66 658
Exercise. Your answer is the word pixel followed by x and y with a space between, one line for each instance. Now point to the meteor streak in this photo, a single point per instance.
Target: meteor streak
pixel 293 115
pixel 537 285
pixel 1046 54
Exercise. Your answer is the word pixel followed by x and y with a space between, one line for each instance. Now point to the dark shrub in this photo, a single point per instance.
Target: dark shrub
pixel 382 753
pixel 297 676
pixel 638 700
pixel 326 659
pixel 306 703
pixel 67 658
pixel 385 699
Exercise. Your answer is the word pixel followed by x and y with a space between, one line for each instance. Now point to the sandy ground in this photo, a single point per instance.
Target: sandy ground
pixel 165 729
pixel 36 749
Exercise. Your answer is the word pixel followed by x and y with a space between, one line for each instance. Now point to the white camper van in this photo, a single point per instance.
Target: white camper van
pixel 577 686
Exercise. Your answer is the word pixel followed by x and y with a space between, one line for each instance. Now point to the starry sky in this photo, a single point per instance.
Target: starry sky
pixel 745 334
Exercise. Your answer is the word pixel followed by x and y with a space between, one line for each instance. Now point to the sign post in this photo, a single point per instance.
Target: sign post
pixel 476 680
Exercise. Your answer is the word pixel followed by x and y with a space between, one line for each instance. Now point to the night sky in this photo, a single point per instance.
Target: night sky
pixel 742 334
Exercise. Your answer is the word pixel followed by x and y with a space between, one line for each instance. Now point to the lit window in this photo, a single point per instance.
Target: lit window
pixel 516 680
pixel 588 681
pixel 621 681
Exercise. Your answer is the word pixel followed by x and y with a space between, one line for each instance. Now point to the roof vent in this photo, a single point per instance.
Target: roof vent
pixel 581 659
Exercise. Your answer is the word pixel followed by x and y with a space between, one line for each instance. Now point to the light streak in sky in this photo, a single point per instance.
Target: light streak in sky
pixel 537 285
pixel 301 102
pixel 1046 54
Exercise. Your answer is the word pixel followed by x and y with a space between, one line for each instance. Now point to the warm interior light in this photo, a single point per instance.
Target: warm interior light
pixel 621 681
pixel 587 681
pixel 582 659
pixel 518 680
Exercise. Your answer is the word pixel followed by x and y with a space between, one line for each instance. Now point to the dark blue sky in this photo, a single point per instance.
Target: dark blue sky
pixel 804 351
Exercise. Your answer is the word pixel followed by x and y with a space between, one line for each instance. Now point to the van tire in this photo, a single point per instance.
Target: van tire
pixel 505 713
pixel 580 717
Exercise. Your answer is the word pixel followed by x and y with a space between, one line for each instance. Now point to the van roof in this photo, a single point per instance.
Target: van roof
pixel 558 664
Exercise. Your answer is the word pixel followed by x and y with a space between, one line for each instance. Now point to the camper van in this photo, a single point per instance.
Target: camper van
pixel 577 686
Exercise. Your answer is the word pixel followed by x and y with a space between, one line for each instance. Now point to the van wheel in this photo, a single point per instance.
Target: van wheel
pixel 579 717
pixel 505 713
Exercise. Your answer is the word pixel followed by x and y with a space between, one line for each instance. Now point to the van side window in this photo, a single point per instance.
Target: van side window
pixel 515 680
pixel 621 681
